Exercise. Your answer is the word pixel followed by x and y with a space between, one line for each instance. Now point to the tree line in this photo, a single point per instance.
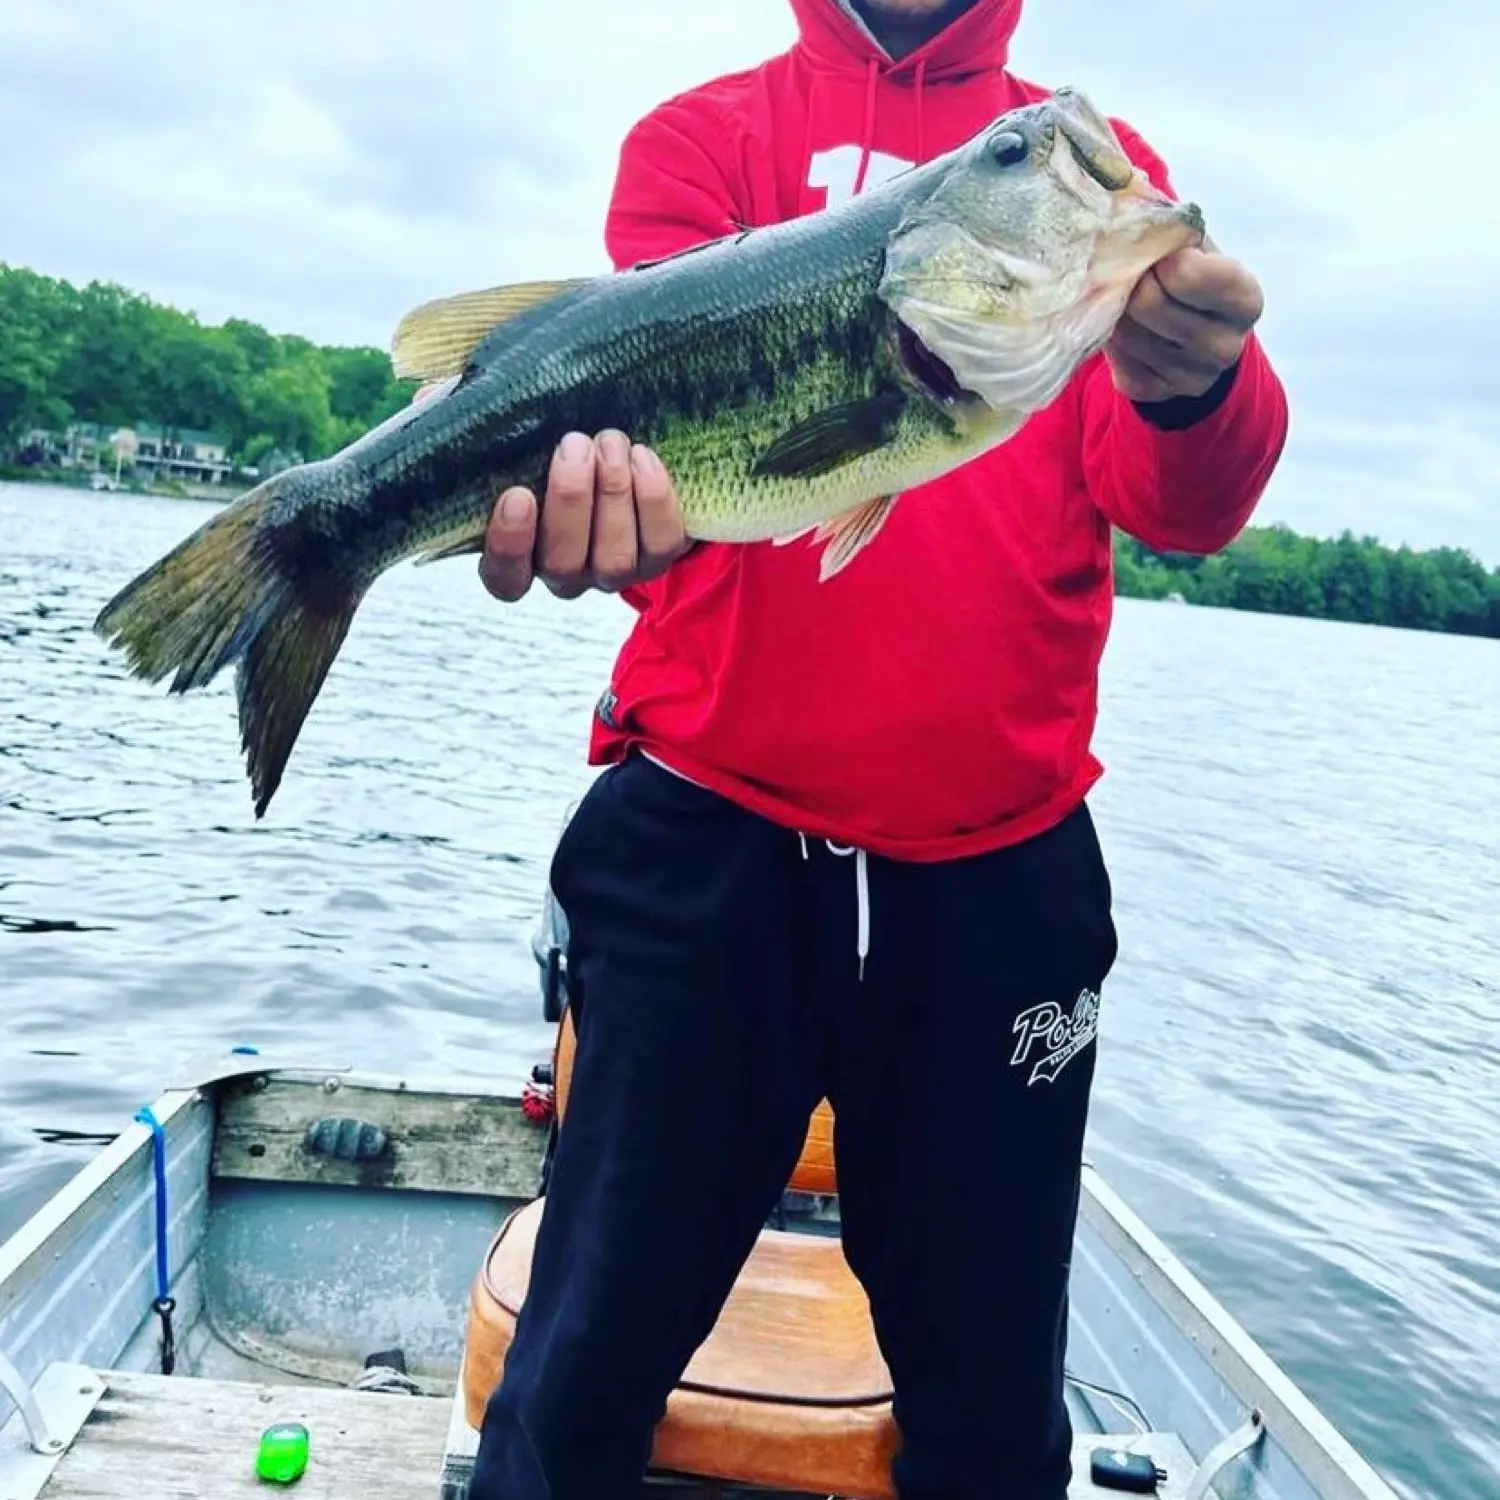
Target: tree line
pixel 101 353
pixel 1275 570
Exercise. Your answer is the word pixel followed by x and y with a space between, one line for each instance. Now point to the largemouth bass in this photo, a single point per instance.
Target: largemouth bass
pixel 794 379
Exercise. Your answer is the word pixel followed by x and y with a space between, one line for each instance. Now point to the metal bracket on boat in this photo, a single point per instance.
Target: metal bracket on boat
pixel 50 1415
pixel 246 1062
pixel 1230 1446
pixel 37 1430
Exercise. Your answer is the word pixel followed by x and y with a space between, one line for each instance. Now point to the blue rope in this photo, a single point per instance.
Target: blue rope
pixel 164 1305
pixel 159 1156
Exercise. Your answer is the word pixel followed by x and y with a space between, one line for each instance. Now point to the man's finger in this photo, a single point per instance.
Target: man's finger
pixel 1134 379
pixel 567 518
pixel 612 559
pixel 1214 338
pixel 1198 365
pixel 1152 308
pixel 509 539
pixel 1212 284
pixel 658 515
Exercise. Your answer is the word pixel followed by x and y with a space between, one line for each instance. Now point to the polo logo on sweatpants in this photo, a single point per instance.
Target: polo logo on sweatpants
pixel 1060 1034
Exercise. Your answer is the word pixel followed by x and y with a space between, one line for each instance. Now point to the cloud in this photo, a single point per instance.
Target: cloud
pixel 321 169
pixel 1341 162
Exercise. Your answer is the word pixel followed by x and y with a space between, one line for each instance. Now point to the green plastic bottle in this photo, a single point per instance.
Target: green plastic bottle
pixel 282 1455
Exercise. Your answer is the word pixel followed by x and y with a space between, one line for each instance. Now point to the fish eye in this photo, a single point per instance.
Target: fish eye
pixel 1009 148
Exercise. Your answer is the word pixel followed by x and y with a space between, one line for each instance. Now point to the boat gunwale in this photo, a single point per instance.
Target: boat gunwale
pixel 97 1235
pixel 77 1194
pixel 1327 1459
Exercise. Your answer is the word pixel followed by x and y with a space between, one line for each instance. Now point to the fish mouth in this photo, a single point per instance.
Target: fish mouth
pixel 1092 139
pixel 1096 150
pixel 1145 225
pixel 930 371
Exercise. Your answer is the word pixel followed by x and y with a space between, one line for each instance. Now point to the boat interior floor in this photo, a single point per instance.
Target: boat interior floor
pixel 174 1438
pixel 182 1437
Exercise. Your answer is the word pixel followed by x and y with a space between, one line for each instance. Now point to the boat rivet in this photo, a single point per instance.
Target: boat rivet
pixel 330 1085
pixel 259 1084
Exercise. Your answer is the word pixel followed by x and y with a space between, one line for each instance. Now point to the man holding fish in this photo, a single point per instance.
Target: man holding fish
pixel 855 466
pixel 842 847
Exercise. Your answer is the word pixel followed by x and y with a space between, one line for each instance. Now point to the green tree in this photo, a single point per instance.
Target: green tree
pixel 1274 570
pixel 35 315
pixel 105 354
pixel 289 403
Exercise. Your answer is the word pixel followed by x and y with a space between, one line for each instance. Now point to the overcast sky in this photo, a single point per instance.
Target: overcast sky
pixel 322 167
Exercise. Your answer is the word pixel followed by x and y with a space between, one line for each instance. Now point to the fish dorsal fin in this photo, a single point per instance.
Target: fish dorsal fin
pixel 831 437
pixel 436 339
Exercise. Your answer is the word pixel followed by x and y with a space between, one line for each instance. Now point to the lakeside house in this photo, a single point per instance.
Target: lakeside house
pixel 150 451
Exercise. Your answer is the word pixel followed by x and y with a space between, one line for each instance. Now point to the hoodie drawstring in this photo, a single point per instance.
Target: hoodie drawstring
pixel 867 136
pixel 861 893
pixel 921 82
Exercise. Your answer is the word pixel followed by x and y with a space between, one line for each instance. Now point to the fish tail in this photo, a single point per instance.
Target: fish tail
pixel 228 594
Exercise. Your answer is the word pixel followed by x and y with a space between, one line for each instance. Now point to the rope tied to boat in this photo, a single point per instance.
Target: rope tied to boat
pixel 165 1304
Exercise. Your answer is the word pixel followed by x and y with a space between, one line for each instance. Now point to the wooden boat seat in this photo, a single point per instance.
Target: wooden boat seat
pixel 789 1391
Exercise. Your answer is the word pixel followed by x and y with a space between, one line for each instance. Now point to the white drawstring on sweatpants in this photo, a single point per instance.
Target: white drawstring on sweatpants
pixel 861 872
pixel 861 893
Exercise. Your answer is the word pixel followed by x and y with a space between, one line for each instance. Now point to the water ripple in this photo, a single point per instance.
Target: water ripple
pixel 1300 1072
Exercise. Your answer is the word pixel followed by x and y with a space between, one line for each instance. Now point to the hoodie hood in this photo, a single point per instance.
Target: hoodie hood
pixel 834 38
pixel 846 64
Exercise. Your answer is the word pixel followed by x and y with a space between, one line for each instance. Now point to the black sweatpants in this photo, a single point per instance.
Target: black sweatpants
pixel 719 995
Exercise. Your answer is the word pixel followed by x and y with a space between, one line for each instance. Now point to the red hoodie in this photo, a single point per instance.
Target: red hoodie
pixel 937 697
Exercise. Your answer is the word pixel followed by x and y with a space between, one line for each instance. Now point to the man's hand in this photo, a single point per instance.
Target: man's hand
pixel 610 519
pixel 1185 324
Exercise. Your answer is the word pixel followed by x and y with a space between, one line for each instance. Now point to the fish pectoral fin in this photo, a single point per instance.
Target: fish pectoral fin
pixel 435 340
pixel 849 534
pixel 830 438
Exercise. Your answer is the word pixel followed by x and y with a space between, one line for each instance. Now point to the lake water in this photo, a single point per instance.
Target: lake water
pixel 1299 1085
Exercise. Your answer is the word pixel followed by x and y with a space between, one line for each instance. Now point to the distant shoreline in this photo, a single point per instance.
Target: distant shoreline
pixel 82 479
pixel 1269 570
